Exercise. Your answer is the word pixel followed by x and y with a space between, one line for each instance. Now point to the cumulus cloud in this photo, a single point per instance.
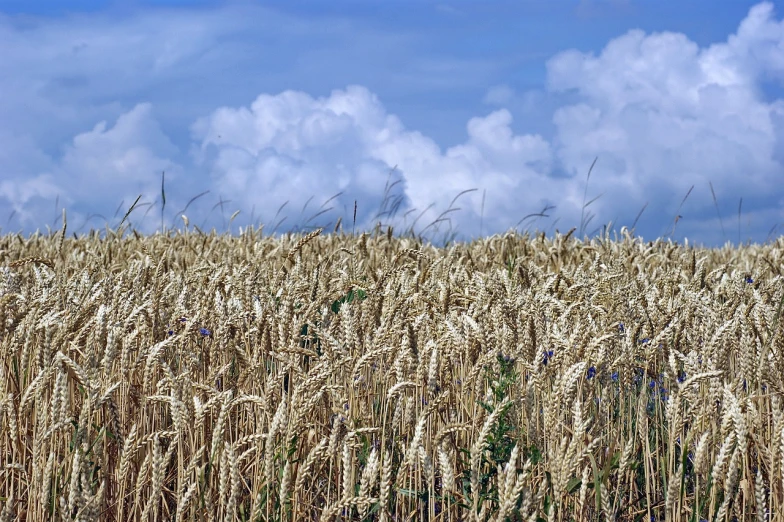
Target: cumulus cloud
pixel 291 147
pixel 157 70
pixel 661 113
pixel 128 156
pixel 96 171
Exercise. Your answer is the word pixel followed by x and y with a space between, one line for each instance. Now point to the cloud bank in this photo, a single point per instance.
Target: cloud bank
pixel 661 113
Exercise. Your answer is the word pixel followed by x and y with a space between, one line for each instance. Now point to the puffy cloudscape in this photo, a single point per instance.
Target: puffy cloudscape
pixel 94 108
pixel 290 147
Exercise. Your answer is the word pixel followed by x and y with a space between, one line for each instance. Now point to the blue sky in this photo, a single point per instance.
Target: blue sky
pixel 318 104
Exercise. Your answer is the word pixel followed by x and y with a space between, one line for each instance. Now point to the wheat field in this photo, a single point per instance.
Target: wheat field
pixel 195 376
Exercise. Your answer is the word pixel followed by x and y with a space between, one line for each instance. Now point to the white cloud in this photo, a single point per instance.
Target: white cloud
pixel 99 169
pixel 660 112
pixel 26 197
pixel 663 115
pixel 19 190
pixel 290 147
pixel 108 161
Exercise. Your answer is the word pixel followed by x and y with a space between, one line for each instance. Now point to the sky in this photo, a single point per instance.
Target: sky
pixel 452 119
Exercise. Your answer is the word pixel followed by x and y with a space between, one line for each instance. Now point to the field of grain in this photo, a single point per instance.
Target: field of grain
pixel 341 377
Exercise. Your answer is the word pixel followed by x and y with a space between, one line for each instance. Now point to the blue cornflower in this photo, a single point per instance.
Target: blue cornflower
pixel 643 341
pixel 621 328
pixel 682 377
pixel 591 372
pixel 614 376
pixel 204 331
pixel 171 332
pixel 547 356
pixel 652 384
pixel 183 319
pixel 749 280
